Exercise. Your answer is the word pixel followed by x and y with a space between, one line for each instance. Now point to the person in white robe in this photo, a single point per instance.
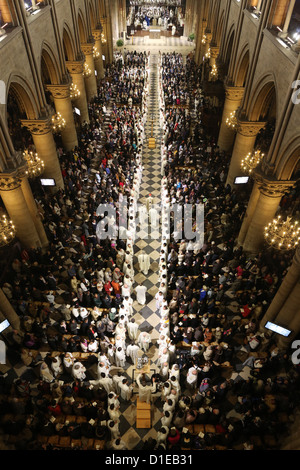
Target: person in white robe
pixel 145 390
pixel 78 371
pixel 106 382
pixel 113 427
pixel 144 262
pixel 132 351
pixel 141 294
pixel 120 357
pixel 125 389
pixel 144 340
pixel 159 297
pixel 57 366
pixel 192 378
pixel 46 374
pixel 133 329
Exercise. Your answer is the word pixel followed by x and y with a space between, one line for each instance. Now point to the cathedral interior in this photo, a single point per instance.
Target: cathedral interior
pixel 149 225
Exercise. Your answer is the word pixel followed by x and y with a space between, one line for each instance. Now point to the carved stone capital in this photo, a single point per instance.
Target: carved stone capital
pixel 87 48
pixel 271 187
pixel 38 126
pixel 12 180
pixel 214 51
pixel 96 34
pixel 249 128
pixel 234 93
pixel 59 91
pixel 75 66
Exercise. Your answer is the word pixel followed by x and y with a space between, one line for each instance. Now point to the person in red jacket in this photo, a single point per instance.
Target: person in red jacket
pixel 173 437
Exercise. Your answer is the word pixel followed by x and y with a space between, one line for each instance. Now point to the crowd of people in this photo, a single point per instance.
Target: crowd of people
pixel 75 300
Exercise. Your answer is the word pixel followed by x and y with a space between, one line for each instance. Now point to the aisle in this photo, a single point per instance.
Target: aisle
pixel 146 315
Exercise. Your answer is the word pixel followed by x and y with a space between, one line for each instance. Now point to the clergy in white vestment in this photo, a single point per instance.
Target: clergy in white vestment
pixel 159 297
pixel 78 371
pixel 145 390
pixel 141 294
pixel 144 341
pixel 125 389
pixel 132 328
pixel 144 262
pixel 132 351
pixel 120 357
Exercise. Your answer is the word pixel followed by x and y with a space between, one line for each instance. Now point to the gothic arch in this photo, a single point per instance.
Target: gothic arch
pixel 68 44
pixel 220 27
pixel 49 66
pixel 82 28
pixel 93 16
pixel 242 67
pixel 228 47
pixel 289 159
pixel 24 96
pixel 263 99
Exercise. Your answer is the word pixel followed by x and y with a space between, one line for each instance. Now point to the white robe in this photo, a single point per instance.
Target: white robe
pixel 132 329
pixel 145 392
pixel 144 262
pixel 132 351
pixel 144 341
pixel 141 294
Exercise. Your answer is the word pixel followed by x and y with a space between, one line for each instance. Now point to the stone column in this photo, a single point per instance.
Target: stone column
pixel 90 81
pixel 98 60
pixel 208 35
pixel 41 131
pixel 214 52
pixel 8 311
pixel 244 143
pixel 108 45
pixel 63 105
pixel 233 99
pixel 285 307
pixel 75 69
pixel 17 209
pixel 31 204
pixel 266 203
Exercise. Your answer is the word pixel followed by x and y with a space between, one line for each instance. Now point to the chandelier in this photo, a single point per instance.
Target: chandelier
pixel 207 55
pixel 282 234
pixel 203 39
pixel 96 53
pixel 7 231
pixel 214 71
pixel 251 161
pixel 86 70
pixel 74 92
pixel 58 123
pixel 103 40
pixel 35 166
pixel 231 121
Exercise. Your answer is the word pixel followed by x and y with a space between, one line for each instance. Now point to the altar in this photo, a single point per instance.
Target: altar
pixel 154 33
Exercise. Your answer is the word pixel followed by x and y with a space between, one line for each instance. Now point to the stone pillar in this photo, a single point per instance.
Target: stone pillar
pixel 108 45
pixel 244 143
pixel 17 209
pixel 90 82
pixel 75 69
pixel 285 307
pixel 98 60
pixel 214 52
pixel 31 204
pixel 63 105
pixel 41 131
pixel 233 100
pixel 8 311
pixel 266 201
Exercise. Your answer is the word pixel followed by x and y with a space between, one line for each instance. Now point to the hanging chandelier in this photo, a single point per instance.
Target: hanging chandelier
pixel 282 234
pixel 86 70
pixel 231 121
pixel 74 92
pixel 58 123
pixel 7 231
pixel 96 53
pixel 203 39
pixel 214 71
pixel 207 55
pixel 35 166
pixel 103 40
pixel 251 161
